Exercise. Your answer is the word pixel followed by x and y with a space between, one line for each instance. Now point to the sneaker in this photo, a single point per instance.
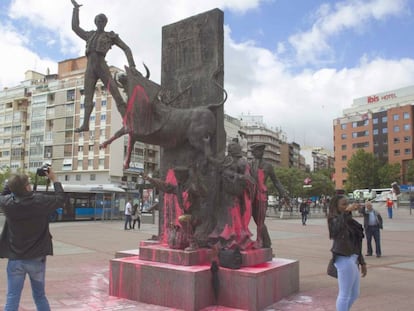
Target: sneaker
pixel 368 254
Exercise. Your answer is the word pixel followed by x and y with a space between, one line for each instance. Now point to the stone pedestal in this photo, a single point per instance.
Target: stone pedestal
pixel 189 287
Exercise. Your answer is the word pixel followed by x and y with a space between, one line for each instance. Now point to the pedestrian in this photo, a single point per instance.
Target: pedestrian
pixel 26 239
pixel 128 213
pixel 304 210
pixel 372 226
pixel 136 216
pixel 347 235
pixel 390 205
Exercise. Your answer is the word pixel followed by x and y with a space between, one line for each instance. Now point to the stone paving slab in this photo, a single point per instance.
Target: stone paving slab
pixel 77 276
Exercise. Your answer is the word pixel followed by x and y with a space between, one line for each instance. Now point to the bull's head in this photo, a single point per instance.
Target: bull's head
pixel 134 78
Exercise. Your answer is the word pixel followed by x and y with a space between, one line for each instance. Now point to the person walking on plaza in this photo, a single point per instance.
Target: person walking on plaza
pixel 26 239
pixel 304 210
pixel 136 216
pixel 347 235
pixel 372 226
pixel 390 206
pixel 128 213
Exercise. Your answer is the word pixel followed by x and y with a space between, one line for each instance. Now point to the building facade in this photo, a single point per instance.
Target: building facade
pixel 381 124
pixel 37 119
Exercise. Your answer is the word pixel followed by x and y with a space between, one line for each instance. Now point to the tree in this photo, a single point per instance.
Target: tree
pixel 388 173
pixel 362 171
pixel 290 178
pixel 409 174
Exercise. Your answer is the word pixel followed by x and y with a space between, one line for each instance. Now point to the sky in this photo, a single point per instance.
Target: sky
pixel 298 63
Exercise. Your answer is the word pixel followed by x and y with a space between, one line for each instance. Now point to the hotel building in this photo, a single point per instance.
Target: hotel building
pixel 379 123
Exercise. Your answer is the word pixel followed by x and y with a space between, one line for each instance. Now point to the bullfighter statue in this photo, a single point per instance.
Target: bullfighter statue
pixel 98 42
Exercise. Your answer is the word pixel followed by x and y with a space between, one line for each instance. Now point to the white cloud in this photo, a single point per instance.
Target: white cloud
pixel 312 46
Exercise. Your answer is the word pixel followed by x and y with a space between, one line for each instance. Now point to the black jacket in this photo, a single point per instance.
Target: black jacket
pixel 366 218
pixel 347 235
pixel 26 229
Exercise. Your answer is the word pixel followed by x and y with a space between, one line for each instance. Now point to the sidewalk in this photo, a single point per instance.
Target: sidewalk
pixel 77 275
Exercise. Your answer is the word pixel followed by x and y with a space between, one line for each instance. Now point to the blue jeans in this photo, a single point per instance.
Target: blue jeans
pixel 348 281
pixel 128 222
pixel 16 274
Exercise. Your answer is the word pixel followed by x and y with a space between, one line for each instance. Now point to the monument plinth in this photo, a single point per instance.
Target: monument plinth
pixel 190 287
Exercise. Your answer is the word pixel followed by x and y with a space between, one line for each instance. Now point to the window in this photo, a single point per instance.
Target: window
pixel 384 119
pixel 93 177
pixel 397 152
pixel 344 170
pixel 80 148
pixel 344 158
pixel 70 95
pixel 396 140
pixel 375 121
pixel 406 127
pixel 343 147
pixel 343 136
pixel 103 117
pixel 406 115
pixel 90 163
pixel 407 139
pixel 384 130
pixel 103 103
pixel 375 131
pixel 407 151
pixel 396 117
pixel 78 177
pixel 354 124
pixel 67 177
pixel 396 129
pixel 343 126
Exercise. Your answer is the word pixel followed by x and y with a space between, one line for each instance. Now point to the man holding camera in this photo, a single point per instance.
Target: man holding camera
pixel 26 240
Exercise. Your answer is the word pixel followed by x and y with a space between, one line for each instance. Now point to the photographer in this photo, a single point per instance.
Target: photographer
pixel 26 240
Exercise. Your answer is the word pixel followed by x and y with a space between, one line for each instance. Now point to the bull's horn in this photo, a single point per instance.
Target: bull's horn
pixel 147 70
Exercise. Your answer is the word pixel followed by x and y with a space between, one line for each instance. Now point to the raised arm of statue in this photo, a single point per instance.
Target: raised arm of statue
pixel 75 21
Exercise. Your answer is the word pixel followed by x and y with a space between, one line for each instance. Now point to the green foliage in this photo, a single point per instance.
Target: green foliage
pixel 366 172
pixel 292 180
pixel 4 175
pixel 409 174
pixel 389 173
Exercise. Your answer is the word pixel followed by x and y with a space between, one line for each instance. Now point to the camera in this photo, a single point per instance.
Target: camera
pixel 41 171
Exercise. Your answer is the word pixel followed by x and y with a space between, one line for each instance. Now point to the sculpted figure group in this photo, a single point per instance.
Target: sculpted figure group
pixel 195 213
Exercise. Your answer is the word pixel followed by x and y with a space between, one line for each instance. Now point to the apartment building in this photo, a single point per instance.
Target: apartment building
pixel 379 123
pixel 37 119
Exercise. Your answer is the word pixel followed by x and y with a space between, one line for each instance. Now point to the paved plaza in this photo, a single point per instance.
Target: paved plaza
pixel 77 275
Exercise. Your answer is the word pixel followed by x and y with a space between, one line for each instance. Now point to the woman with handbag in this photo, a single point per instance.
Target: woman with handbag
pixel 347 235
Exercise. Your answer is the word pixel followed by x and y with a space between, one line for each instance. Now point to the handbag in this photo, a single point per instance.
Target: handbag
pixel 331 270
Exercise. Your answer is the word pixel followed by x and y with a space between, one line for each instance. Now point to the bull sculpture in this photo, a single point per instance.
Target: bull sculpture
pixel 149 120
